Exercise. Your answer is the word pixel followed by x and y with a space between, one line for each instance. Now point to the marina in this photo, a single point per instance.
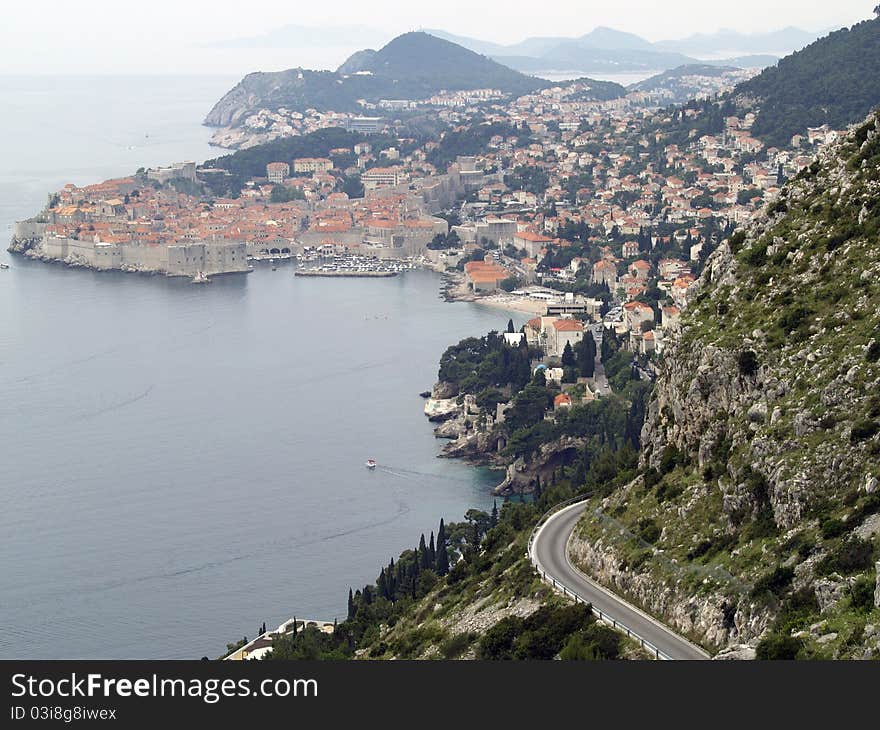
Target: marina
pixel 351 265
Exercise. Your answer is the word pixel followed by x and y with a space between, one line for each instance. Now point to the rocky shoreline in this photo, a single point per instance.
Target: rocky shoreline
pixel 473 437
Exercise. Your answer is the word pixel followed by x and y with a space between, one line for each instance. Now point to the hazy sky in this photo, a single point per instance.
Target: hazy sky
pixel 168 36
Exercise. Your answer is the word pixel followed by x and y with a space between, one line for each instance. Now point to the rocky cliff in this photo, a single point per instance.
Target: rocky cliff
pixel 253 92
pixel 755 515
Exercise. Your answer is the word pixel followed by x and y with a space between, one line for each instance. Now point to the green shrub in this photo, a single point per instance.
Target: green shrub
pixel 649 531
pixel 707 549
pixel 794 318
pixel 862 597
pixel 756 255
pixel 775 582
pixel 670 458
pixel 863 429
pixel 457 645
pixel 832 527
pixel 668 491
pixel 869 505
pixel 799 543
pixel 652 478
pixel 796 611
pixel 778 646
pixel 736 240
pixel 595 642
pixel 849 557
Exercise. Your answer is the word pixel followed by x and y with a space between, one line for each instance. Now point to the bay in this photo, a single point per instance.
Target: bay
pixel 180 463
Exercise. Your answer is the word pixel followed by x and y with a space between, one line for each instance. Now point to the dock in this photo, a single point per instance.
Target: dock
pixel 347 273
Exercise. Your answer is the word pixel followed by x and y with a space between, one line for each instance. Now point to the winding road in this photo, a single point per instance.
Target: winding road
pixel 548 550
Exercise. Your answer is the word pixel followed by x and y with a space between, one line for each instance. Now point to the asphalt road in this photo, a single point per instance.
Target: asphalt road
pixel 550 554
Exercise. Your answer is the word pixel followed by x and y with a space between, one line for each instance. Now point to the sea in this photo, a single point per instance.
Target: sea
pixel 181 463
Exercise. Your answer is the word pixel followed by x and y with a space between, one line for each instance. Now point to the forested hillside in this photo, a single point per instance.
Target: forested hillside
pixel 834 81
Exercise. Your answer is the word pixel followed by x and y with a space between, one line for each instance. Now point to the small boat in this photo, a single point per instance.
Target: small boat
pixel 201 278
pixel 371 464
pixel 4 266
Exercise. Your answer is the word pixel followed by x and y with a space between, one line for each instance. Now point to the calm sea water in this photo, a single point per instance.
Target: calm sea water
pixel 181 463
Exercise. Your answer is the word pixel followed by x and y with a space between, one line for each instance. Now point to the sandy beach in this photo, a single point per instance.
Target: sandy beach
pixel 513 303
pixel 458 291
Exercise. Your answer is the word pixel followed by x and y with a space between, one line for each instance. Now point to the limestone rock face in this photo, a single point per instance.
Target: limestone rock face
pixel 709 616
pixel 238 101
pixel 522 478
pixel 444 390
pixel 713 404
pixel 738 652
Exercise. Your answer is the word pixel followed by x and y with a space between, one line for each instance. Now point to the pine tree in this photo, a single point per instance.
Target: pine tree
pixel 442 554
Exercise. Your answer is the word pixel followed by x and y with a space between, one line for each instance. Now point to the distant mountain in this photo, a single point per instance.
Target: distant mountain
pixel 486 48
pixel 606 50
pixel 614 40
pixel 583 56
pixel 779 42
pixel 530 47
pixel 419 64
pixel 835 81
pixel 411 66
pixel 301 36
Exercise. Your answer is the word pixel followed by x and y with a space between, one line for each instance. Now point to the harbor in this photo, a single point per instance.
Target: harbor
pixel 344 272
pixel 351 265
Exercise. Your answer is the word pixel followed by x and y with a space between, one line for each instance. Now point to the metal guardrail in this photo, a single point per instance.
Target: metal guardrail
pixel 559 586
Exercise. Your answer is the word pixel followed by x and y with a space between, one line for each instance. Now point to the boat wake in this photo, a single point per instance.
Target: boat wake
pixel 115 406
pixel 402 473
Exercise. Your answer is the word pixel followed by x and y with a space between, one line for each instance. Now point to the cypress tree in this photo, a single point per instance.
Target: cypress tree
pixel 510 328
pixel 493 518
pixel 382 584
pixel 424 554
pixel 442 554
pixel 392 581
pixel 351 608
pixel 432 552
